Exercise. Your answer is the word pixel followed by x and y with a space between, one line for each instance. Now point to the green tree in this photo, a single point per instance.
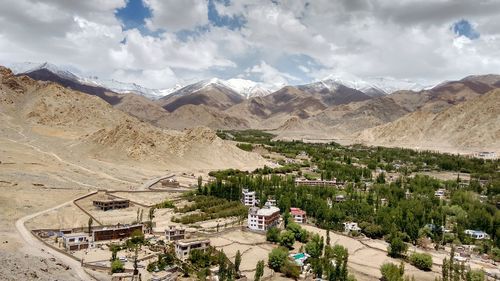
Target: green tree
pixel 397 247
pixel 287 239
pixel 91 221
pixel 259 270
pixel 237 261
pixel 392 272
pixel 277 258
pixel 273 235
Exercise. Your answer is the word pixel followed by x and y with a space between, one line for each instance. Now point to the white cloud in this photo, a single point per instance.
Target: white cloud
pixel 270 75
pixel 405 39
pixel 175 15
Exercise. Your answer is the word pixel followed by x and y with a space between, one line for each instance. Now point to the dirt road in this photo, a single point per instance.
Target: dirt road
pixel 44 249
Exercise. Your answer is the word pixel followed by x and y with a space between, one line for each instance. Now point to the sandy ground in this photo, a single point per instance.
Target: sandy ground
pixel 364 262
pixel 253 247
pixel 148 198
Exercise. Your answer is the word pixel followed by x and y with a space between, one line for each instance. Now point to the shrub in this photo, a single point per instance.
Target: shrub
pixel 277 258
pixel 290 269
pixel 421 261
pixel 117 266
pixel 244 146
pixel 371 230
pixel 392 272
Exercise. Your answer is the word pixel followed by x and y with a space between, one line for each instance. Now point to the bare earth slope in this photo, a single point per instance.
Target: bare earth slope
pixel 471 125
pixel 95 128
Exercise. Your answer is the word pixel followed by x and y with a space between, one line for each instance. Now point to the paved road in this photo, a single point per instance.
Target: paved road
pixel 35 243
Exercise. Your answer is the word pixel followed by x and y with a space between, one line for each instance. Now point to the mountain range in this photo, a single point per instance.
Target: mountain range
pixel 373 111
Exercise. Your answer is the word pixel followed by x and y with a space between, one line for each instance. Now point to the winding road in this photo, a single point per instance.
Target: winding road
pixel 32 241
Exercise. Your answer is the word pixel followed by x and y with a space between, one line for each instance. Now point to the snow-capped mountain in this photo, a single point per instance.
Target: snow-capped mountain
pixel 25 67
pixel 373 86
pixel 123 88
pixel 245 88
pixel 75 75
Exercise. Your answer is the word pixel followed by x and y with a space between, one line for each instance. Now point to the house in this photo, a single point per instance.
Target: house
pixel 307 182
pixel 384 202
pixel 115 232
pixel 299 216
pixel 264 218
pixel 339 198
pixel 173 233
pixel 111 204
pixel 271 202
pixel 248 197
pixel 75 241
pixel 477 234
pixel 440 193
pixel 351 226
pixel 170 182
pixel 407 194
pixel 184 247
pixel 486 155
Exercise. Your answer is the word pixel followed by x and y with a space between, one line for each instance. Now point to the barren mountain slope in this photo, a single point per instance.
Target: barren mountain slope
pixel 212 95
pixel 190 116
pixel 95 127
pixel 474 124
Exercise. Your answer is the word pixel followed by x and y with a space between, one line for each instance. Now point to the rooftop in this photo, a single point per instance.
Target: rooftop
pixel 297 211
pixel 266 211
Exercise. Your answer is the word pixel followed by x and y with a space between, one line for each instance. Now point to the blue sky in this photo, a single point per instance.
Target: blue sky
pixel 160 43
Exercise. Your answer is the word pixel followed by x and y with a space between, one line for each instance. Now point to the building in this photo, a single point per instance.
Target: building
pixel 299 216
pixel 351 226
pixel 248 197
pixel 316 182
pixel 264 218
pixel 486 155
pixel 339 198
pixel 172 233
pixel 477 234
pixel 271 202
pixel 116 232
pixel 440 193
pixel 75 241
pixel 111 204
pixel 170 182
pixel 184 247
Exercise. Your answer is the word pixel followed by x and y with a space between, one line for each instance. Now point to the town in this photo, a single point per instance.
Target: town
pixel 325 212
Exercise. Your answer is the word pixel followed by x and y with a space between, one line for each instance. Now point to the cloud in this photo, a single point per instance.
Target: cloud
pixel 175 15
pixel 270 75
pixel 281 41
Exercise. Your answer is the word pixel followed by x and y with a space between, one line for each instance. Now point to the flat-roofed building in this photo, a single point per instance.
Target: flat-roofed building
pixel 316 182
pixel 75 241
pixel 248 198
pixel 111 204
pixel 174 233
pixel 184 247
pixel 115 232
pixel 170 182
pixel 264 218
pixel 299 216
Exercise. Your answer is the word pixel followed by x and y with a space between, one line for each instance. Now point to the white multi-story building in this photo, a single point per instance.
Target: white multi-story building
pixel 184 247
pixel 248 197
pixel 264 218
pixel 174 233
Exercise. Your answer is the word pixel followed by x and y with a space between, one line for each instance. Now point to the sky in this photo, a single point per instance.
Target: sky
pixel 161 43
